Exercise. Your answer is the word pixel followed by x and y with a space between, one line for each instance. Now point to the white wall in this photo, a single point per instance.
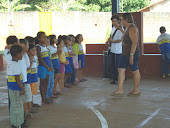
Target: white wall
pixel 161 7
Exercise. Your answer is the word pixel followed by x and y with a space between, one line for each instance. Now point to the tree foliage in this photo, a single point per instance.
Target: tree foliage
pixel 14 5
pixel 72 5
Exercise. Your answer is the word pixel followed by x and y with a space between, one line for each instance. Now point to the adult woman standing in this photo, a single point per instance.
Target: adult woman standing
pixel 130 55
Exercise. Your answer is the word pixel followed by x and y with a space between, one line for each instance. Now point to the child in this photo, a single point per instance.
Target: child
pixel 71 54
pixel 68 69
pixel 55 62
pixel 34 71
pixel 75 48
pixel 49 94
pixel 10 41
pixel 15 87
pixel 63 61
pixel 30 39
pixel 79 39
pixel 26 69
pixel 44 68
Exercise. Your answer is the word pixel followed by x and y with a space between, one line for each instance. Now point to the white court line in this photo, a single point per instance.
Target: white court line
pixel 150 117
pixel 100 116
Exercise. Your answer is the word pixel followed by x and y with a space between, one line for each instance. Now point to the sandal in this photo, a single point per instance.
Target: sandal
pixel 117 94
pixel 133 94
pixel 46 103
pixel 34 110
pixel 81 80
pixel 85 79
pixel 53 97
pixel 36 105
pixel 28 115
pixel 59 93
pixel 76 82
pixel 49 100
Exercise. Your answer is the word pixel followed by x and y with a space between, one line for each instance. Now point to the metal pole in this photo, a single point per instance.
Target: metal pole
pixel 115 6
pixel 122 5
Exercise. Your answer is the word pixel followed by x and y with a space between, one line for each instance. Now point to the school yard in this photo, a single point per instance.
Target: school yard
pixel 90 105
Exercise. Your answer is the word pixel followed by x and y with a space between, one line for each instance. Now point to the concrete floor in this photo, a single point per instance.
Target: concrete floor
pixel 90 105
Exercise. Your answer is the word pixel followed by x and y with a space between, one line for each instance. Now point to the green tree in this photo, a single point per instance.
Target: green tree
pixel 72 5
pixel 133 5
pixel 14 5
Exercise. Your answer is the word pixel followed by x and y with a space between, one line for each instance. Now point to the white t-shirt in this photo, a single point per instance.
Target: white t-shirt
pixel 69 49
pixel 65 49
pixel 116 47
pixel 80 47
pixel 163 36
pixel 34 64
pixel 13 68
pixel 25 63
pixel 8 57
pixel 52 49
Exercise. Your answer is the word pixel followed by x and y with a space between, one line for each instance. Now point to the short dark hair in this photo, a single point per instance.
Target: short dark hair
pixel 71 35
pixel 36 40
pixel 65 38
pixel 115 17
pixel 15 50
pixel 23 41
pixel 39 34
pixel 52 37
pixel 60 36
pixel 77 37
pixel 59 41
pixel 11 40
pixel 30 39
pixel 128 17
pixel 31 46
pixel 162 29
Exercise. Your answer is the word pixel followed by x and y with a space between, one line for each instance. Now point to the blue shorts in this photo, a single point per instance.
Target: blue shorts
pixel 68 69
pixel 81 61
pixel 124 62
pixel 43 72
pixel 56 64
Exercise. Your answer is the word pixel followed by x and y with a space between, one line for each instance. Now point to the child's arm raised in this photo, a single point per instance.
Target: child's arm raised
pixel 40 58
pixel 17 78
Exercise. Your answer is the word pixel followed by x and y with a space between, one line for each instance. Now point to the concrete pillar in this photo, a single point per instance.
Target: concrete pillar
pixel 115 6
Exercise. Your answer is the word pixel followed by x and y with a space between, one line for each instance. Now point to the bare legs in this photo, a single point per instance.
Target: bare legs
pixel 42 88
pixel 56 81
pixel 80 73
pixel 136 76
pixel 61 81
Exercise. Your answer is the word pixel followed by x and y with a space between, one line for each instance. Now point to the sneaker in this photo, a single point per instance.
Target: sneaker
pixel 163 76
pixel 114 82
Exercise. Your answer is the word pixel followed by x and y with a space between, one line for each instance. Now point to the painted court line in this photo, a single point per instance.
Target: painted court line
pixel 150 117
pixel 100 116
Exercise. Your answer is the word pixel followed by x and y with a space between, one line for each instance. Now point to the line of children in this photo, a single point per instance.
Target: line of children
pixel 53 61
